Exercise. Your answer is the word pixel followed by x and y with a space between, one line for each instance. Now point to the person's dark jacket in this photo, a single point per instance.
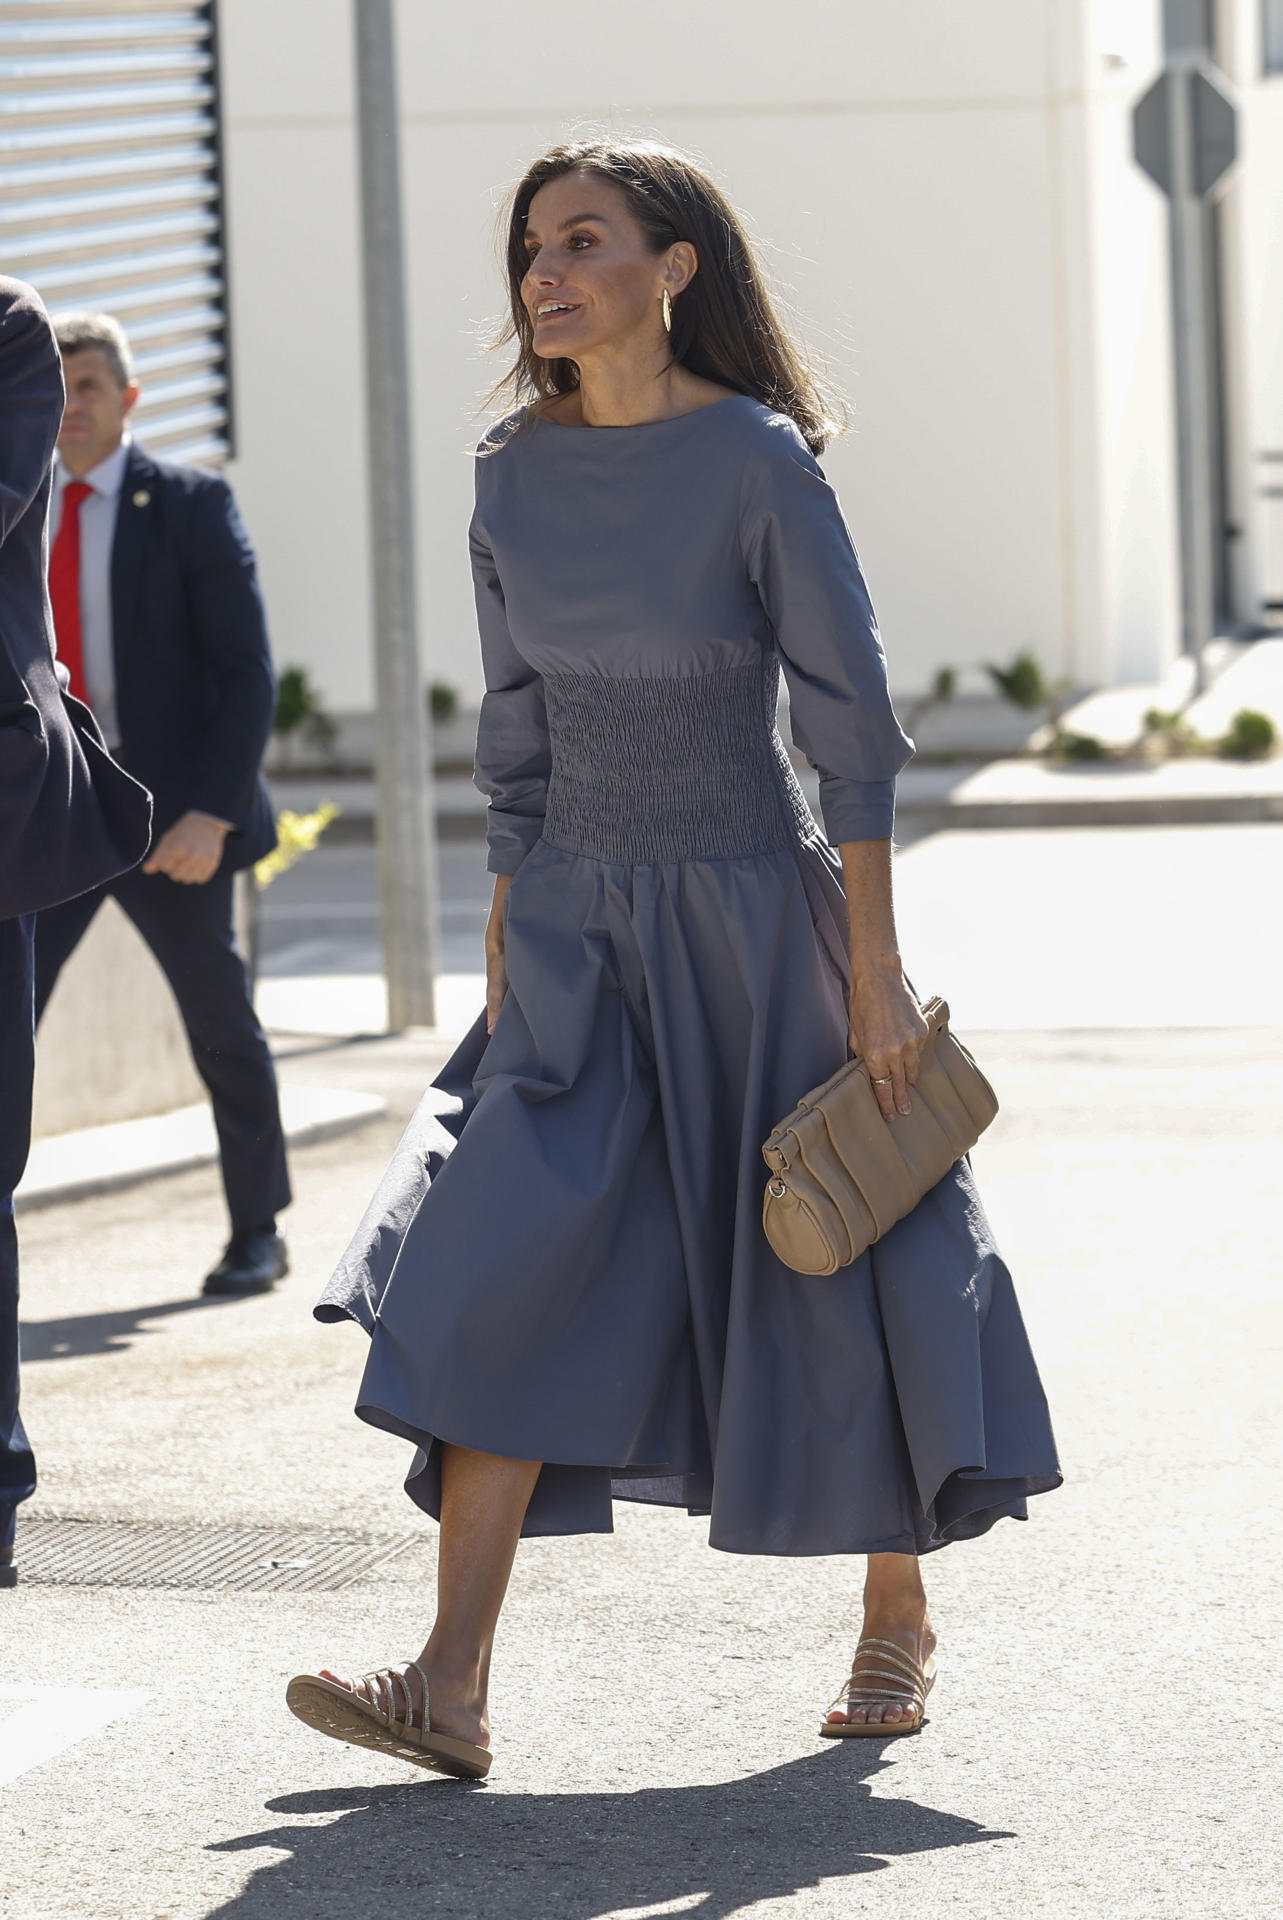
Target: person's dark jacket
pixel 195 692
pixel 70 818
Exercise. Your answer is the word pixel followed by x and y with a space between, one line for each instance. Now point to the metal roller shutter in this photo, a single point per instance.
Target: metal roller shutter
pixel 110 195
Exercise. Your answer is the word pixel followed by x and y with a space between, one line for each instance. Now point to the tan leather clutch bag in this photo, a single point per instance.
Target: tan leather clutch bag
pixel 841 1175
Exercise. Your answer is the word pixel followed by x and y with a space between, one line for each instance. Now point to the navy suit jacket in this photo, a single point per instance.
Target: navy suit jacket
pixel 70 818
pixel 195 691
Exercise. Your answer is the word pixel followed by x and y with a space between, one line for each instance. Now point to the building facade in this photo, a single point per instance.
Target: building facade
pixel 946 196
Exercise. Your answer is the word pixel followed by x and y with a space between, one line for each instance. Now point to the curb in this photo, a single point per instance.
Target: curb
pixel 94 1160
pixel 357 829
pixel 1176 810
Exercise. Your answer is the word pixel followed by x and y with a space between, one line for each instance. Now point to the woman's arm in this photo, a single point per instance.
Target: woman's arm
pixel 887 1028
pixel 512 759
pixel 496 966
pixel 513 755
pixel 799 555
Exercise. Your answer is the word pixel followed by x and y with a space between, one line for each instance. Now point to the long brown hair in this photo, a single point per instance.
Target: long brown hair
pixel 725 325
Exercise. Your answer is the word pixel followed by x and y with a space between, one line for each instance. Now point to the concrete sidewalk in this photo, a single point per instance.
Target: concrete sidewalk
pixel 69 1166
pixel 1031 793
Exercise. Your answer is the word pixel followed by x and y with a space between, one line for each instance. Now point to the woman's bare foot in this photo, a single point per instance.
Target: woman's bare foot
pixel 458 1705
pixel 895 1609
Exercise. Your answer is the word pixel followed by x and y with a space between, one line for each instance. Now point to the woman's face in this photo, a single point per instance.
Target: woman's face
pixel 591 280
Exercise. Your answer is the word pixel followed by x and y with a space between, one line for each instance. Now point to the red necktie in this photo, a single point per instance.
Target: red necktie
pixel 64 585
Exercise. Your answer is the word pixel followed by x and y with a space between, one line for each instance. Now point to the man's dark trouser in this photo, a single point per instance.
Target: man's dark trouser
pixel 189 929
pixel 17 1464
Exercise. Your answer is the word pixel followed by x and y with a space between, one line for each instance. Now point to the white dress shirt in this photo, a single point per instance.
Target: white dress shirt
pixel 97 537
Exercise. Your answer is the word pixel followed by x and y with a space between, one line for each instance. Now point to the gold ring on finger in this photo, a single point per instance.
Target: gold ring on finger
pixel 880 1079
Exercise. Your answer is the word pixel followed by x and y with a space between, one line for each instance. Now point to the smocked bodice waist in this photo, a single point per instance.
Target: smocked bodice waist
pixel 670 769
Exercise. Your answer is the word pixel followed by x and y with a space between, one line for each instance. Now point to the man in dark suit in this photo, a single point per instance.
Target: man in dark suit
pixel 70 818
pixel 161 624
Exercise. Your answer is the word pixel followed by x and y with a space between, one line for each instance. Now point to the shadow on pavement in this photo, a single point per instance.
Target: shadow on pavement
pixel 91 1333
pixel 448 1848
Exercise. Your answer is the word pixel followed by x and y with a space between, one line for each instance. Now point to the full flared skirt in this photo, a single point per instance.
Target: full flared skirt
pixel 565 1261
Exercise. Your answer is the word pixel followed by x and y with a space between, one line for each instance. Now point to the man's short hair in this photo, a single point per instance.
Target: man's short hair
pixel 77 332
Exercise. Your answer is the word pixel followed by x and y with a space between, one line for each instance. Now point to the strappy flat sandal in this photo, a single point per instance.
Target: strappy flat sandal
pixel 385 1721
pixel 910 1685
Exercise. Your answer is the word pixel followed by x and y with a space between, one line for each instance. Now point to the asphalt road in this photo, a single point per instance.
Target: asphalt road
pixel 1104 1736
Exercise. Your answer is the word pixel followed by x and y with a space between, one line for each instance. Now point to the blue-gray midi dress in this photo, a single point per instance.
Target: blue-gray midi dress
pixel 565 1261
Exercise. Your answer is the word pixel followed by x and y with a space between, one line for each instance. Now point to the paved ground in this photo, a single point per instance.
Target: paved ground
pixel 1104 1735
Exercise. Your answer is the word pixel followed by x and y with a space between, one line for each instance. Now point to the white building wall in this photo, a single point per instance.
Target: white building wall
pixel 945 192
pixel 297 363
pixel 1129 340
pixel 1262 194
pixel 1257 201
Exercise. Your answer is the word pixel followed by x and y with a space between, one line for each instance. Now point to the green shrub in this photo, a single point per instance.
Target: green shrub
pixel 1023 682
pixel 293 700
pixel 1077 746
pixel 300 710
pixel 443 702
pixel 1251 736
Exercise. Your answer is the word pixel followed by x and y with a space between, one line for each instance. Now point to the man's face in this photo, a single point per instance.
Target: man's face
pixel 96 411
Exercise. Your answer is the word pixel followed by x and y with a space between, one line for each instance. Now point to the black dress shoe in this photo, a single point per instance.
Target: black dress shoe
pixel 8 1572
pixel 253 1263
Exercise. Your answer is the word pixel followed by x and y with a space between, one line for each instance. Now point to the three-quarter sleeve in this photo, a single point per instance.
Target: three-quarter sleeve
pixel 801 559
pixel 513 756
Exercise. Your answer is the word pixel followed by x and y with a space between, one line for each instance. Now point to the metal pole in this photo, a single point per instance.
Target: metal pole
pixel 406 829
pixel 1193 401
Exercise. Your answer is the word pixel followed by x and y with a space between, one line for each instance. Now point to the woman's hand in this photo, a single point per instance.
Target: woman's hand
pixel 496 966
pixel 887 1028
pixel 887 1031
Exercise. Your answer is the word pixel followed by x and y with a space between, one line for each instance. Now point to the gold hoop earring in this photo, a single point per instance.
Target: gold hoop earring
pixel 668 312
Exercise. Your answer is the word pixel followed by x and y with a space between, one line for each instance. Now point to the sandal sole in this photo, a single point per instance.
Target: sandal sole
pixel 334 1711
pixel 878 1730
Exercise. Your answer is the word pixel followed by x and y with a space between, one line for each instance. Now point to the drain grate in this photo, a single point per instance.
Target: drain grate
pixel 125 1553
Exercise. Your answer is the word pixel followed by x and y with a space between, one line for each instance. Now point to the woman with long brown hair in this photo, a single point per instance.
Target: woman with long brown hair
pixel 564 1276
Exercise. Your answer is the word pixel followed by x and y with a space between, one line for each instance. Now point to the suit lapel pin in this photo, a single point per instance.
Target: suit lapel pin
pixel 142 498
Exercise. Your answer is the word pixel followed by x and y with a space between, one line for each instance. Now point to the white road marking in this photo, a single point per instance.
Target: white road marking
pixel 51 1719
pixel 685 1903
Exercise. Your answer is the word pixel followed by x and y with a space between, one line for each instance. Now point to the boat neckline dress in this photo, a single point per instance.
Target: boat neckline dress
pixel 565 1260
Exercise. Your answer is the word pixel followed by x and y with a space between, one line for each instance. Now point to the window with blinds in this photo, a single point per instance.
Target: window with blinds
pixel 110 195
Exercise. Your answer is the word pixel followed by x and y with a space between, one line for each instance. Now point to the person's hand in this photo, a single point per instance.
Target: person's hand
pixel 496 966
pixel 190 852
pixel 887 1031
